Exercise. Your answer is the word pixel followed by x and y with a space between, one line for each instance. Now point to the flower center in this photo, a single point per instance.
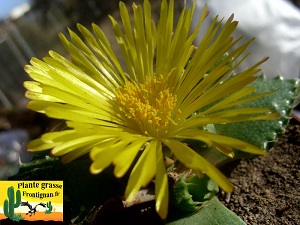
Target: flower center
pixel 148 107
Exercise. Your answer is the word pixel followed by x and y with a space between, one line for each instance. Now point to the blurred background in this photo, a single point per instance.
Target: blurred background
pixel 29 28
pixel 275 24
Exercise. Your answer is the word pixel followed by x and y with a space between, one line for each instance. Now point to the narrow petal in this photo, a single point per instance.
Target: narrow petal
pixel 143 171
pixel 105 45
pixel 231 116
pixel 125 158
pixel 40 97
pixel 227 150
pixel 58 136
pixel 77 153
pixel 56 112
pixel 33 86
pixel 164 37
pixel 161 184
pixel 107 145
pixel 211 139
pixel 196 162
pixel 103 155
pixel 39 145
pixel 93 128
pixel 73 144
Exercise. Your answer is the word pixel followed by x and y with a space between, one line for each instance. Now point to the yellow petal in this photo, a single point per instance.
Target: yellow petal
pixel 56 112
pixel 39 105
pixel 227 150
pixel 196 162
pixel 103 155
pixel 73 144
pixel 77 153
pixel 123 160
pixel 76 100
pixel 39 145
pixel 33 86
pixel 161 184
pixel 106 145
pixel 230 116
pixel 92 129
pixel 59 136
pixel 143 171
pixel 40 97
pixel 211 139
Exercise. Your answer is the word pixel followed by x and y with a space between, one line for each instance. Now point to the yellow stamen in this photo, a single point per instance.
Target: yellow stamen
pixel 149 106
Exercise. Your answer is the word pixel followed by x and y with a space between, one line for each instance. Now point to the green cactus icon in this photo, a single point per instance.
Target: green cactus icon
pixel 10 204
pixel 49 206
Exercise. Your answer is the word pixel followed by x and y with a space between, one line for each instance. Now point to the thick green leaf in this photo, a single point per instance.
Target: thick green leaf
pixel 263 133
pixel 213 212
pixel 188 193
pixel 260 133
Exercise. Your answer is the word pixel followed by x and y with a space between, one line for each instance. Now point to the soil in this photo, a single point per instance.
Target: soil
pixel 267 188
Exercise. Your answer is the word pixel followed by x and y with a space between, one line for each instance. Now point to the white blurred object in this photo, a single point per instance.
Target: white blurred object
pixel 275 24
pixel 13 152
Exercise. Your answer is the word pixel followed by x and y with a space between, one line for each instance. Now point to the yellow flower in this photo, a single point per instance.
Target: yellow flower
pixel 118 112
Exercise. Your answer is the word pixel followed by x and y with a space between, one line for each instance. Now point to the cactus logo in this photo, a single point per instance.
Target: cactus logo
pixel 31 201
